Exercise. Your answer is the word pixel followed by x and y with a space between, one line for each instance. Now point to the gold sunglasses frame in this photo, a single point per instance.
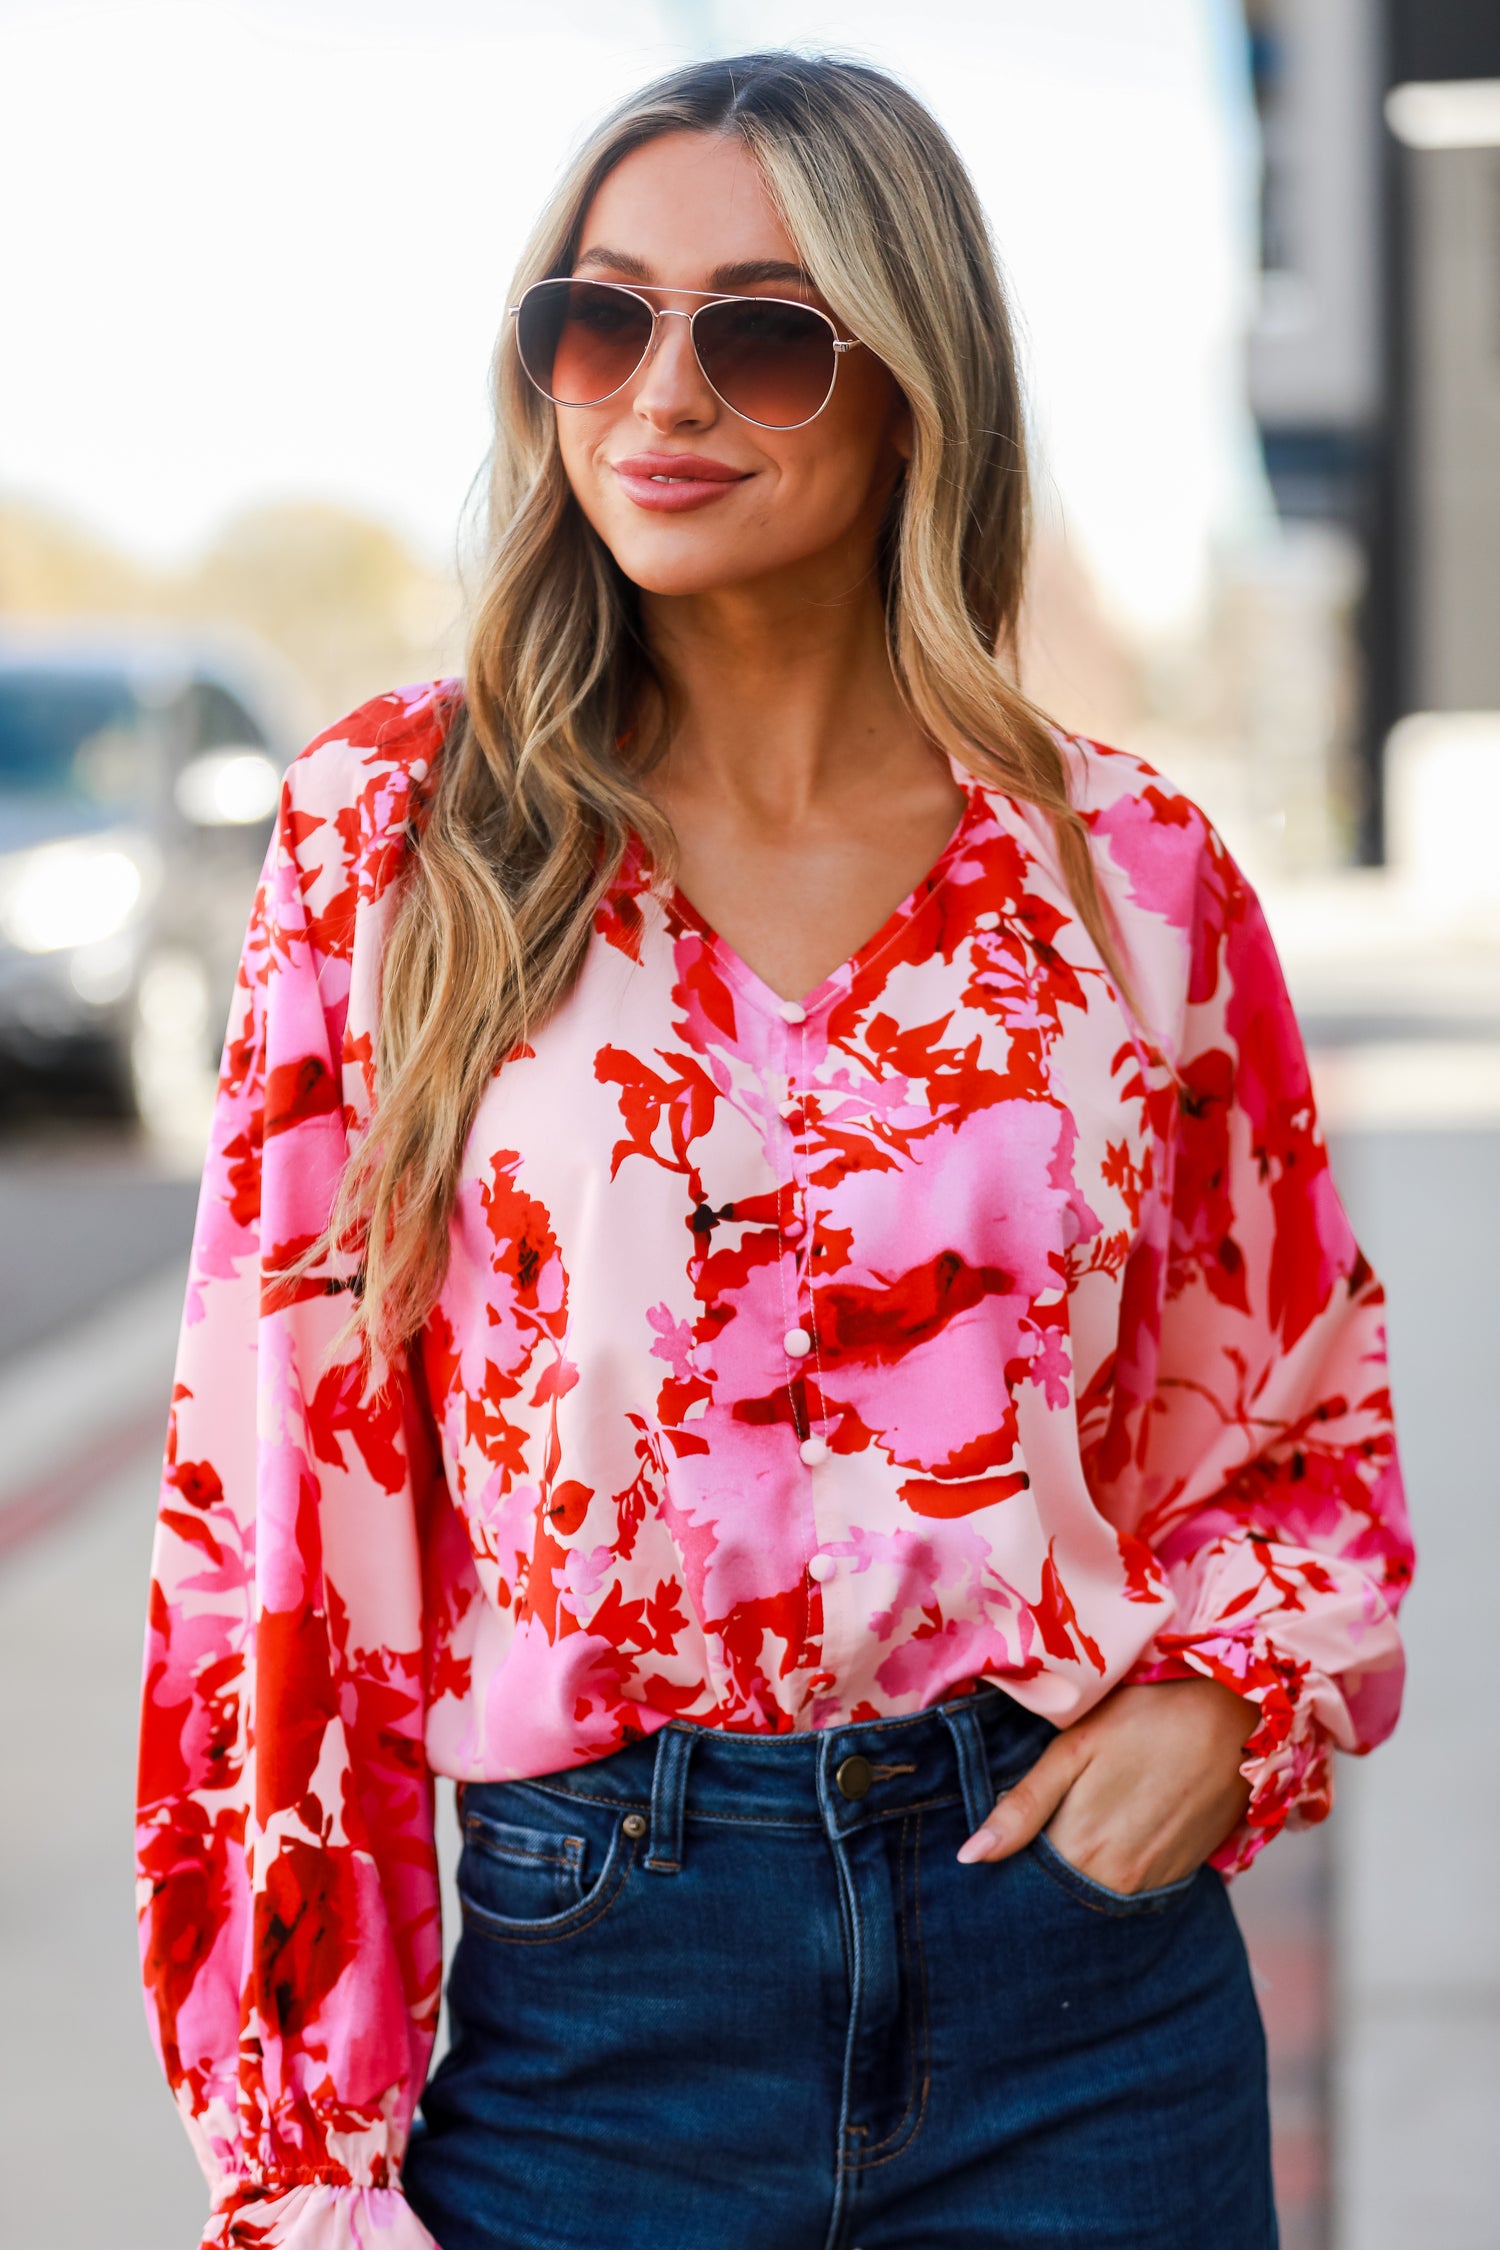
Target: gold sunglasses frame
pixel 659 313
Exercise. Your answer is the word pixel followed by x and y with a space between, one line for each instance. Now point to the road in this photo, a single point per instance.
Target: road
pixel 85 1210
pixel 1398 1884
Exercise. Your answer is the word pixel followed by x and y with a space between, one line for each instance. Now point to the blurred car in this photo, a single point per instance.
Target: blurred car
pixel 139 779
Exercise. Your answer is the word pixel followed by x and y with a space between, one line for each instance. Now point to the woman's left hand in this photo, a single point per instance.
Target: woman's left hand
pixel 1137 1793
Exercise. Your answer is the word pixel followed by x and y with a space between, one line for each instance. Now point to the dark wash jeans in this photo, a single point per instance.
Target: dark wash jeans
pixel 734 1992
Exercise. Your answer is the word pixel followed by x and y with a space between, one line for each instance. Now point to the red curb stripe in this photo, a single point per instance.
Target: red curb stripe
pixel 48 1499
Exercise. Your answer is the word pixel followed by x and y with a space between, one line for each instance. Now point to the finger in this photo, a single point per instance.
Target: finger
pixel 1022 1811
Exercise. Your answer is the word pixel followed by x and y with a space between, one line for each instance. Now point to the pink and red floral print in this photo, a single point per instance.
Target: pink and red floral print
pixel 796 1363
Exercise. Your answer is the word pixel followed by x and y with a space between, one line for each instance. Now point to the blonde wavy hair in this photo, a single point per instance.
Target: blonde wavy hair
pixel 539 783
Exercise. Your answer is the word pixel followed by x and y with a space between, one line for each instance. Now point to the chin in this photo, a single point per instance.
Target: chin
pixel 681 579
pixel 685 565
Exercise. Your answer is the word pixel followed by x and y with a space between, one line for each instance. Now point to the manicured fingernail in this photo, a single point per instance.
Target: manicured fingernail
pixel 979 1846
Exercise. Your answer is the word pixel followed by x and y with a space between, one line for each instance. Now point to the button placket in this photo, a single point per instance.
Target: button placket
pixel 800 1338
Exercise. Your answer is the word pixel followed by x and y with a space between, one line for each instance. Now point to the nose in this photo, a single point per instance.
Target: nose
pixel 673 392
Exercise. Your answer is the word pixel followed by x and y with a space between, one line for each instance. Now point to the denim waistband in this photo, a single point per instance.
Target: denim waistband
pixel 837 1778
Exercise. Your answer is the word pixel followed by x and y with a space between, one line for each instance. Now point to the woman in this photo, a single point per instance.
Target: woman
pixel 865 1455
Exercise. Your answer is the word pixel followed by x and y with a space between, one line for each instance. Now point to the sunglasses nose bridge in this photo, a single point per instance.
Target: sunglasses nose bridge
pixel 646 367
pixel 659 313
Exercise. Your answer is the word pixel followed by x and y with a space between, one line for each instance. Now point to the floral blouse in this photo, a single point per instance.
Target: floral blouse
pixel 797 1364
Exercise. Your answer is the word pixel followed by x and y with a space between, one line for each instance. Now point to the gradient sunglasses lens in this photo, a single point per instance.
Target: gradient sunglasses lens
pixel 581 341
pixel 771 360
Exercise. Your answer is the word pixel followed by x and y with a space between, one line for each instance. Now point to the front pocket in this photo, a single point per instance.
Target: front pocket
pixel 1098 1896
pixel 524 1873
pixel 523 1884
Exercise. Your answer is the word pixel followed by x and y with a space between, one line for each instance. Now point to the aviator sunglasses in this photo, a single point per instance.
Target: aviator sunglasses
pixel 771 360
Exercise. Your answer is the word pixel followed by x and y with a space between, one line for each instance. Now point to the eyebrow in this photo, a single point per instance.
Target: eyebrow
pixel 740 275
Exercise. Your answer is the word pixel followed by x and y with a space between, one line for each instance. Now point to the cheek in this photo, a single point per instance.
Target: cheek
pixel 843 463
pixel 825 494
pixel 582 443
pixel 810 506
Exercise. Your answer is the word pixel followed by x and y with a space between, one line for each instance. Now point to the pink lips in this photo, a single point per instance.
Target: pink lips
pixel 671 483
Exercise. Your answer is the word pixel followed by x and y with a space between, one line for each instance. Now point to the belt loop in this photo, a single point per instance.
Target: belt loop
pixel 962 1722
pixel 668 1797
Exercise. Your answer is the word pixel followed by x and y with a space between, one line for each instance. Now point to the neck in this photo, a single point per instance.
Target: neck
pixel 786 698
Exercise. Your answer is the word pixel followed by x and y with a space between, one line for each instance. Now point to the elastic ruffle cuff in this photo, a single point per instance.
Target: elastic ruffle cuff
pixel 313 2215
pixel 1288 1760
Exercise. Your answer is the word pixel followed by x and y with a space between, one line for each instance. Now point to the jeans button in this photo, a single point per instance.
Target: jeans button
pixel 854 1777
pixel 635 1824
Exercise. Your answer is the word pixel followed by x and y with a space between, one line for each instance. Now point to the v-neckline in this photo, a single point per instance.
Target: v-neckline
pixel 841 978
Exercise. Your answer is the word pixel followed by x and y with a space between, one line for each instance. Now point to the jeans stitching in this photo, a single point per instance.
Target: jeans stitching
pixel 750 1820
pixel 1114 1906
pixel 921 2059
pixel 474 1829
pixel 485 1921
pixel 898 2130
pixel 574 1796
pixel 845 2166
pixel 873 2161
pixel 899 1812
pixel 669 1776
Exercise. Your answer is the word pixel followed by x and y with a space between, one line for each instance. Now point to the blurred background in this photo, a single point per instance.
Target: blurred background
pixel 255 257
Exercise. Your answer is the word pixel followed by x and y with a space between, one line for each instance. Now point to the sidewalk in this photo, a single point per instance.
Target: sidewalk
pixel 1396 975
pixel 92 2156
pixel 1417 1835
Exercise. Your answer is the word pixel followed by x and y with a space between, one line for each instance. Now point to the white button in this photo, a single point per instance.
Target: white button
pixel 793 1228
pixel 790 1106
pixel 813 1450
pixel 796 1343
pixel 822 1567
pixel 792 1011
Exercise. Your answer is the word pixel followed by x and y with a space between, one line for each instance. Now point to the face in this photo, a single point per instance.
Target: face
pixel 688 496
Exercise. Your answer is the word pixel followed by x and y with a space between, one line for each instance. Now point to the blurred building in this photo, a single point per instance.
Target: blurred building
pixel 1375 358
pixel 1374 369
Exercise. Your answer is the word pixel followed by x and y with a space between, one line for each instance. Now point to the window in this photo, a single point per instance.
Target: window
pixel 217 719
